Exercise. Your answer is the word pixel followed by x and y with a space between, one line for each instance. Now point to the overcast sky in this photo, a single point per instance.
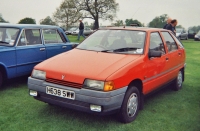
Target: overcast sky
pixel 187 12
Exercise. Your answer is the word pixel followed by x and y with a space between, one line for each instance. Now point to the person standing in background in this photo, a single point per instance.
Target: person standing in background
pixel 168 22
pixel 172 26
pixel 81 29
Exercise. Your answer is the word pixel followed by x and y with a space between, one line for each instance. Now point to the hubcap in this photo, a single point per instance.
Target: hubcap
pixel 180 80
pixel 132 105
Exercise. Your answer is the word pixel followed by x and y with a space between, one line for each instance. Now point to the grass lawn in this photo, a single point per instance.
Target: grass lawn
pixel 165 110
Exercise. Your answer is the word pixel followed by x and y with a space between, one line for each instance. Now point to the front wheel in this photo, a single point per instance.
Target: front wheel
pixel 130 105
pixel 177 85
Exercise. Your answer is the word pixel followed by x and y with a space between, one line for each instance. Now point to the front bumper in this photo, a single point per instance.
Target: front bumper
pixel 109 101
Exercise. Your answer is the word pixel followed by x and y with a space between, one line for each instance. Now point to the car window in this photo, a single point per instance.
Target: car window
pixel 8 36
pixel 52 36
pixel 156 43
pixel 180 44
pixel 171 44
pixel 33 36
pixel 22 40
pixel 123 41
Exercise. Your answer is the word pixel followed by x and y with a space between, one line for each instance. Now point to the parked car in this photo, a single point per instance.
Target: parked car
pixel 191 34
pixel 87 31
pixel 181 34
pixel 24 46
pixel 197 36
pixel 69 32
pixel 111 71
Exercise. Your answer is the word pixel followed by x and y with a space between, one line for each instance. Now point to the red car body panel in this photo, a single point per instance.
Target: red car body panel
pixel 77 65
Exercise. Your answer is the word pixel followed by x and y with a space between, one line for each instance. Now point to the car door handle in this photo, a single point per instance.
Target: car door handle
pixel 179 54
pixel 167 58
pixel 64 47
pixel 42 49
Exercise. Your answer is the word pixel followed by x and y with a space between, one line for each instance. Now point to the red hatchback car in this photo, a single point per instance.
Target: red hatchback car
pixel 111 71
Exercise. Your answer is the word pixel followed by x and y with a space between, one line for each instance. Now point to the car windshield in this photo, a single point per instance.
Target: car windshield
pixel 178 30
pixel 8 36
pixel 115 41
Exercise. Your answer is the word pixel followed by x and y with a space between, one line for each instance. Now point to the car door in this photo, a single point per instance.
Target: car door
pixel 54 42
pixel 156 66
pixel 29 51
pixel 175 54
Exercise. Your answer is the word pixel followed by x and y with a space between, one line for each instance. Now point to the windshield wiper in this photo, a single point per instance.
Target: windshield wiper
pixel 121 49
pixel 4 42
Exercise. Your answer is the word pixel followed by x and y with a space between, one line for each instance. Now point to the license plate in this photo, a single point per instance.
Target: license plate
pixel 60 92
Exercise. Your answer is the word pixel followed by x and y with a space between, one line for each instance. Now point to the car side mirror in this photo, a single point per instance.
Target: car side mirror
pixel 153 53
pixel 74 45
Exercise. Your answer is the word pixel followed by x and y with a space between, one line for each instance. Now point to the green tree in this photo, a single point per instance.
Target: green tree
pixel 67 13
pixel 47 21
pixel 159 21
pixel 194 29
pixel 119 23
pixel 27 20
pixel 180 26
pixel 131 21
pixel 86 23
pixel 2 19
pixel 97 9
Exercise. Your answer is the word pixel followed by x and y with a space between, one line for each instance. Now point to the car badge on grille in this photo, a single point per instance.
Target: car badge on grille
pixel 63 76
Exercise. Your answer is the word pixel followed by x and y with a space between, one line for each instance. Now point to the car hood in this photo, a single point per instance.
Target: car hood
pixel 76 65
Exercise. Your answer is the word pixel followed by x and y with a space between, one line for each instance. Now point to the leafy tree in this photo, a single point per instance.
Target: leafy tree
pixel 159 21
pixel 180 26
pixel 27 20
pixel 119 23
pixel 194 29
pixel 47 21
pixel 2 19
pixel 97 9
pixel 67 13
pixel 86 23
pixel 131 21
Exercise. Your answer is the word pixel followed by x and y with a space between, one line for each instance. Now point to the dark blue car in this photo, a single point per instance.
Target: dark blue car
pixel 24 46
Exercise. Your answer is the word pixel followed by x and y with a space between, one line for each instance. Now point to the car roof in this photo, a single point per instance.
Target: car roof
pixel 134 28
pixel 26 26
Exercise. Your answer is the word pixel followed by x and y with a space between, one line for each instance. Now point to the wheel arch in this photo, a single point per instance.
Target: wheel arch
pixel 4 71
pixel 139 85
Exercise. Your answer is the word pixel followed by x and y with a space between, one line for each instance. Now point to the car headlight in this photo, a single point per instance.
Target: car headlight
pixel 39 74
pixel 196 36
pixel 98 85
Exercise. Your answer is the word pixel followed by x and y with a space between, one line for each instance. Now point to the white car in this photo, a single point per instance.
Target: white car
pixel 87 31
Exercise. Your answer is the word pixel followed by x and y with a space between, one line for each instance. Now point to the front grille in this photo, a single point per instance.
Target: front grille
pixel 64 83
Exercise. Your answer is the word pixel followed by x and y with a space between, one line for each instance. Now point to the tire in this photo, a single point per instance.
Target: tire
pixel 177 85
pixel 130 105
pixel 1 79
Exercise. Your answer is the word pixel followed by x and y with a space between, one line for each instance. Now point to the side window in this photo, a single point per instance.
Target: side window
pixel 171 44
pixel 51 36
pixel 156 43
pixel 33 36
pixel 179 44
pixel 22 40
